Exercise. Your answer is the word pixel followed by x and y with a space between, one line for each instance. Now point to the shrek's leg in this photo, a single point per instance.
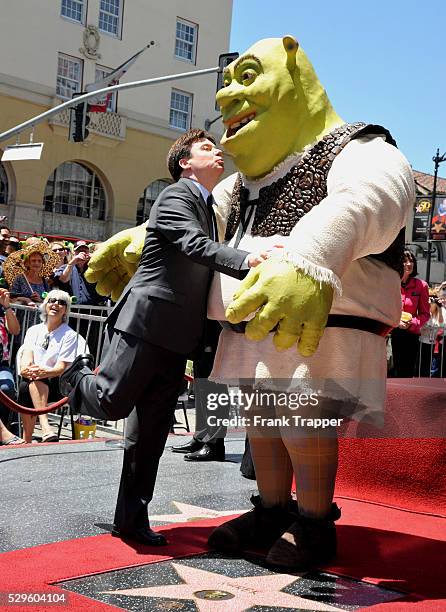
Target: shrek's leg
pixel 271 514
pixel 315 462
pixel 311 538
pixel 273 468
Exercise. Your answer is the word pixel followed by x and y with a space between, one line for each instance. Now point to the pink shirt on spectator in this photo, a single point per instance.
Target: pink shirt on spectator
pixel 415 299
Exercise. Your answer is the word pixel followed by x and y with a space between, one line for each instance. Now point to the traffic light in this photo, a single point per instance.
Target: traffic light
pixel 79 120
pixel 223 60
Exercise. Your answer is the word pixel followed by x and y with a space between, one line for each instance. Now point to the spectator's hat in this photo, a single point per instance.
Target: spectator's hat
pixel 15 264
pixel 80 244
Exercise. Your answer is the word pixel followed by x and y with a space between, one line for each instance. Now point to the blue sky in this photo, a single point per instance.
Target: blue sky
pixel 380 61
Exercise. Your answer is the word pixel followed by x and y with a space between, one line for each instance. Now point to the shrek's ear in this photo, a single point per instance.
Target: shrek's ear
pixel 291 46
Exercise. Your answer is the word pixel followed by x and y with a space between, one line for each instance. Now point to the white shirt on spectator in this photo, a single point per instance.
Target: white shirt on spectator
pixel 62 344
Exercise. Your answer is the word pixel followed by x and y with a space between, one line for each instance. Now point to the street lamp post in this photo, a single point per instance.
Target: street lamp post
pixel 438 159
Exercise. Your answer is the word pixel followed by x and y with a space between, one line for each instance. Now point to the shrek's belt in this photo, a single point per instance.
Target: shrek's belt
pixel 346 321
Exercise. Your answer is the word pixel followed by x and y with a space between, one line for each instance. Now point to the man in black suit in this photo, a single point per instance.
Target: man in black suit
pixel 158 321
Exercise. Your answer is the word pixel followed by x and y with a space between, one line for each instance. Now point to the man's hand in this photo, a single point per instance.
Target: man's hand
pixel 4 298
pixel 116 260
pixel 80 258
pixel 284 297
pixel 255 259
pixel 35 297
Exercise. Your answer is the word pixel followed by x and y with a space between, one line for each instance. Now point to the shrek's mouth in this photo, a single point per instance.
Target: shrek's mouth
pixel 238 124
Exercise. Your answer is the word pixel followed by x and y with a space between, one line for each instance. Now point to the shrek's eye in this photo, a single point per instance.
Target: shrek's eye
pixel 248 77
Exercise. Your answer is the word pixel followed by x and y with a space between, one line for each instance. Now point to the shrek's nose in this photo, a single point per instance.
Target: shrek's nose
pixel 230 95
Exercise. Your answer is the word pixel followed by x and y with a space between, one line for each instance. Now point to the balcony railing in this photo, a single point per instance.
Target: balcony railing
pixel 110 125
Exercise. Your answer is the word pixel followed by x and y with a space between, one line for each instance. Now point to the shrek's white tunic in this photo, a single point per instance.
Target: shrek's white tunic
pixel 370 193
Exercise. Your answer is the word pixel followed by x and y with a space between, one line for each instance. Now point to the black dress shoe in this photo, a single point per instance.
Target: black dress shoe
pixel 189 447
pixel 209 452
pixel 69 378
pixel 142 535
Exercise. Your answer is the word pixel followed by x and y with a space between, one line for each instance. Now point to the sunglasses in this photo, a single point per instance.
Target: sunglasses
pixel 58 250
pixel 56 301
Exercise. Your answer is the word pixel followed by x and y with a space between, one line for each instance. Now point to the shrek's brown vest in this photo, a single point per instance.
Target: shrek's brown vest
pixel 281 205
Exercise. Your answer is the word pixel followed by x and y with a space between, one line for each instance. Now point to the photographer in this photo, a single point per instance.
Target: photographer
pixel 73 275
pixel 71 278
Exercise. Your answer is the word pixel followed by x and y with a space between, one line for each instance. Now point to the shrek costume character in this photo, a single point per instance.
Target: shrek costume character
pixel 336 196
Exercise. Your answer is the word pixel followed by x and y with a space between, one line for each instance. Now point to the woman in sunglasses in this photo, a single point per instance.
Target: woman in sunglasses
pixel 48 348
pixel 61 252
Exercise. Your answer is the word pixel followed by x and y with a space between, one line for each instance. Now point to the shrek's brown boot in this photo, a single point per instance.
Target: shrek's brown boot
pixel 307 543
pixel 258 528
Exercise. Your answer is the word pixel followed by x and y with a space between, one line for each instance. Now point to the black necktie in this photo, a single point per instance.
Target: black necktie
pixel 210 202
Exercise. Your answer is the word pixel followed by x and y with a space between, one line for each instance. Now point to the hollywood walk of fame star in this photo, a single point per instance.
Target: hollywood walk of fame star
pixel 192 513
pixel 212 592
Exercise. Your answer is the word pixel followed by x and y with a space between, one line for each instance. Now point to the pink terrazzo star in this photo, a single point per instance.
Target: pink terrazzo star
pixel 213 592
pixel 191 513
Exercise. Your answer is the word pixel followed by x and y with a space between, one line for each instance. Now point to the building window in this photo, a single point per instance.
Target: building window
pixel 73 189
pixel 110 15
pixel 74 9
pixel 186 40
pixel 180 109
pixel 3 185
pixel 69 76
pixel 148 198
pixel 100 74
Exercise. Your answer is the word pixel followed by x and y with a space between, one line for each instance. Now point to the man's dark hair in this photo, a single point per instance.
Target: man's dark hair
pixel 181 150
pixel 409 255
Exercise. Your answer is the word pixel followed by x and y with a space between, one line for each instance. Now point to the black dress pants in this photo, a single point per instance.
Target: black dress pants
pixel 205 432
pixel 140 381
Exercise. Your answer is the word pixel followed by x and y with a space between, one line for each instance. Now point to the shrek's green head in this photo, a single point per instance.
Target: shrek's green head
pixel 273 105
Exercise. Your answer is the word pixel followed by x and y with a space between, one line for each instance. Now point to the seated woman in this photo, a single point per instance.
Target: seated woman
pixel 48 348
pixel 27 271
pixel 8 324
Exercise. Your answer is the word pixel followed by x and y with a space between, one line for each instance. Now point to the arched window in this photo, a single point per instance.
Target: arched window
pixel 148 198
pixel 3 185
pixel 73 189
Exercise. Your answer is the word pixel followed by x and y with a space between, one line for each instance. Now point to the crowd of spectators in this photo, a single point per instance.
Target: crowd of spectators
pixel 37 265
pixel 418 342
pixel 47 275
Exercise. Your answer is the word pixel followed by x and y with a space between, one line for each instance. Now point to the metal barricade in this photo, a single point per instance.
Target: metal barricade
pixel 431 354
pixel 87 321
pixel 430 360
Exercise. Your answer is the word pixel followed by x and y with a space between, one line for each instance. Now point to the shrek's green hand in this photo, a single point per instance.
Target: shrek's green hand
pixel 115 262
pixel 287 298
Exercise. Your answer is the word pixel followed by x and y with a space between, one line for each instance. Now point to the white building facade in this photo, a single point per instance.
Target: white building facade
pixel 51 49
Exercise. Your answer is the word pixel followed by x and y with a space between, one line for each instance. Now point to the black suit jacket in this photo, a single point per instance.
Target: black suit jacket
pixel 165 301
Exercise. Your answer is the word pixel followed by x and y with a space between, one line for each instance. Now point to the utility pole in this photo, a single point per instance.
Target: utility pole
pixel 438 159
